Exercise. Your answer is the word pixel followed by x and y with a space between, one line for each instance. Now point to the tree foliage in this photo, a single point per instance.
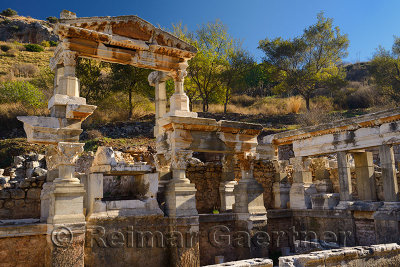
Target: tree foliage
pixel 214 47
pixel 310 61
pixel 9 12
pixel 21 91
pixel 385 70
pixel 92 84
pixel 130 79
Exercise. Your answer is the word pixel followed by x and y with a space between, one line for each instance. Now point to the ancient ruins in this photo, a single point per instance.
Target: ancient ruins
pixel 335 202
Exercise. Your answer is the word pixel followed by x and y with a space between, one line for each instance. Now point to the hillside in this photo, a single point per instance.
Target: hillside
pixel 25 30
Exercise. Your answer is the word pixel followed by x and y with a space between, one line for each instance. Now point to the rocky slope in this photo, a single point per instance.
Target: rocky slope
pixel 25 30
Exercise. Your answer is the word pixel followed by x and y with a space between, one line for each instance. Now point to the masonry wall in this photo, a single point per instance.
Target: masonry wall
pixel 22 200
pixel 376 255
pixel 207 177
pixel 137 241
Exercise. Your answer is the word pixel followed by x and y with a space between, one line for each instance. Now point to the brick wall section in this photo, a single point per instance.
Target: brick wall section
pixel 22 200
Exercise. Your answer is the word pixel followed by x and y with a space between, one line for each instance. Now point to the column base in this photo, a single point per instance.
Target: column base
pixel 180 199
pixel 226 194
pixel 281 195
pixel 300 195
pixel 325 201
pixel 249 197
pixel 66 204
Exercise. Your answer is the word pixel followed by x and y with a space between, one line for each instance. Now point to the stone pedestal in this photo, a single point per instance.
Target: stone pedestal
pixel 325 201
pixel 301 190
pixel 248 192
pixel 281 195
pixel 227 195
pixel 180 199
pixel 180 194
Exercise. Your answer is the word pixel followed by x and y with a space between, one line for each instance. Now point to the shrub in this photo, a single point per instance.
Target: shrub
pixel 12 52
pixel 5 47
pixel 294 104
pixel 33 48
pixel 9 12
pixel 24 70
pixel 53 43
pixel 317 116
pixel 45 43
pixel 20 91
pixel 52 19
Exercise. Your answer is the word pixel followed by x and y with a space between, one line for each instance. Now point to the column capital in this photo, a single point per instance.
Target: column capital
pixel 156 77
pixel 180 159
pixel 68 152
pixel 180 74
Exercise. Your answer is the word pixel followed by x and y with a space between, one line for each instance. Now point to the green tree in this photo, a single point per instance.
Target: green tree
pixel 9 12
pixel 130 79
pixel 21 91
pixel 92 85
pixel 214 46
pixel 234 75
pixel 385 71
pixel 310 61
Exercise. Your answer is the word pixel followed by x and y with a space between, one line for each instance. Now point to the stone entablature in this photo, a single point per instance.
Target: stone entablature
pixel 349 134
pixel 123 39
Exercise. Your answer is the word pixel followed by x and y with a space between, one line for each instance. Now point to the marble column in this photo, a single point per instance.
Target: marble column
pixel 365 175
pixel 158 80
pixel 248 192
pixel 180 194
pixel 390 186
pixel 302 187
pixel 66 220
pixel 179 101
pixel 344 176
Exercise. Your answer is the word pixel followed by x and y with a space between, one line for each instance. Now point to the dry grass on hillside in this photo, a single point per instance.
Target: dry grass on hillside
pixel 8 61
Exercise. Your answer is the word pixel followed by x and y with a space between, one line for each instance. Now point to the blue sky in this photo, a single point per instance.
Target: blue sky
pixel 368 23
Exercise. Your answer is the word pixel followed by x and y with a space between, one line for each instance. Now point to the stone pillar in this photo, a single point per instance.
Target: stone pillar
pixel 390 187
pixel 66 204
pixel 180 193
pixel 157 79
pixel 344 176
pixel 365 175
pixel 281 190
pixel 227 182
pixel 302 187
pixel 248 192
pixel 66 221
pixel 179 101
